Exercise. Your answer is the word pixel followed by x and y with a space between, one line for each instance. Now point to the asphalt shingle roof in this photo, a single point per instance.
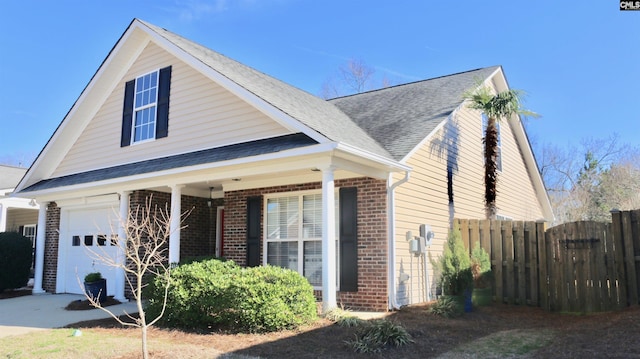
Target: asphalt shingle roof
pixel 389 122
pixel 310 110
pixel 400 117
pixel 218 154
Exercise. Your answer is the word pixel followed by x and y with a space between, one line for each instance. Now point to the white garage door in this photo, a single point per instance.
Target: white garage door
pixel 84 230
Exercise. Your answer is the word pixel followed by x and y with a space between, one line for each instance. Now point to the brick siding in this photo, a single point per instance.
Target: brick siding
pixel 198 238
pixel 52 235
pixel 372 237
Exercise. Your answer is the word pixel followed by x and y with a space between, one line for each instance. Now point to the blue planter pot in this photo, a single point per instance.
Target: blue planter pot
pixel 97 289
pixel 468 303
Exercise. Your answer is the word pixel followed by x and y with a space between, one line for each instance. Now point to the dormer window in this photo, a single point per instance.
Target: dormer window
pixel 145 116
pixel 144 127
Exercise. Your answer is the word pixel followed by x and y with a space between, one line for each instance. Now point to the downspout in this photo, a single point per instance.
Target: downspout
pixel 391 213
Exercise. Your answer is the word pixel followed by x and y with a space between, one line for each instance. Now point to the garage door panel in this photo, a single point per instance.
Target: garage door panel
pixel 89 236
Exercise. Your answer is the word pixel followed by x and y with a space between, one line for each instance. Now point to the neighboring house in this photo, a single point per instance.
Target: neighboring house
pixel 273 175
pixel 16 214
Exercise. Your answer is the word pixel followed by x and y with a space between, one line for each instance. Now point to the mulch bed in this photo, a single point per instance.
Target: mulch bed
pixel 86 305
pixel 15 293
pixel 611 335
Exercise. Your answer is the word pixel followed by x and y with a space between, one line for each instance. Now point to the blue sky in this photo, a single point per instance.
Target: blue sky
pixel 577 61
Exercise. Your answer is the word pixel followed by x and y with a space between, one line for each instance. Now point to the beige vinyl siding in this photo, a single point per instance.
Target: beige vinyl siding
pixel 424 199
pixel 202 115
pixel 17 217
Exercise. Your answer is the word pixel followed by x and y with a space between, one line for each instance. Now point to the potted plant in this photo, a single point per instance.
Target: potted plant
pixel 455 265
pixel 96 286
pixel 482 278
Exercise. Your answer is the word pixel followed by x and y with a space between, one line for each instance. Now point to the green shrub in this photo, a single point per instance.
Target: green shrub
pixel 380 334
pixel 214 292
pixel 480 267
pixel 92 277
pixel 15 260
pixel 198 290
pixel 455 266
pixel 447 307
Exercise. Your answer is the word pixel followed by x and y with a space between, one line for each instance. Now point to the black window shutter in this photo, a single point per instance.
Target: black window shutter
pixel 349 239
pixel 253 231
pixel 21 230
pixel 127 113
pixel 164 86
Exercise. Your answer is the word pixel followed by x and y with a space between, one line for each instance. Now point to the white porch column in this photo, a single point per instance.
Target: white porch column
pixel 123 217
pixel 41 232
pixel 174 236
pixel 3 218
pixel 328 241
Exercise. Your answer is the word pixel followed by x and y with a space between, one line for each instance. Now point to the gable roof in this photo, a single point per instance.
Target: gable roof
pixel 310 110
pixel 400 117
pixel 382 126
pixel 10 176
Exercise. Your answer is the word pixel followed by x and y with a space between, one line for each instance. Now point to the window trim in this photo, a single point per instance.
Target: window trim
pixel 153 104
pixel 300 241
pixel 484 119
pixel 33 236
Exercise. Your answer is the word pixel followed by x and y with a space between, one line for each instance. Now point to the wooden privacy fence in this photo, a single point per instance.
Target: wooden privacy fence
pixel 577 267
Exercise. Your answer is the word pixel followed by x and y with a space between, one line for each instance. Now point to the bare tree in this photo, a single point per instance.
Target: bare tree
pixel 147 231
pixel 587 182
pixel 353 77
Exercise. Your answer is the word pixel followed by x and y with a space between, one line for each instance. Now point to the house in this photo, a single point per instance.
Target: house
pixel 16 214
pixel 272 174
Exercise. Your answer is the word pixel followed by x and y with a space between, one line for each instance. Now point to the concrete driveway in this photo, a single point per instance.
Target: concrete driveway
pixel 45 311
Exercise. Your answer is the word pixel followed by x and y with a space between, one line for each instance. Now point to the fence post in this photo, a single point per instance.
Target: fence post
pixel 519 243
pixel 629 258
pixel 496 246
pixel 543 286
pixel 618 257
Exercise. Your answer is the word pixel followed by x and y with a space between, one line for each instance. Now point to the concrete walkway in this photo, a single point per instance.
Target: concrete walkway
pixel 45 311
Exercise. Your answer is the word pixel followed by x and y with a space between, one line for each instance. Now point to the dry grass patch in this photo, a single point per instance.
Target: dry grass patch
pixel 516 343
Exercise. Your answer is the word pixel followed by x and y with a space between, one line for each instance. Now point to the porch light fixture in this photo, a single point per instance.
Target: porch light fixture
pixel 32 203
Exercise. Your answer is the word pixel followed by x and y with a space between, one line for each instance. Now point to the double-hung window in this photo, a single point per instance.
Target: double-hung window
pixel 145 114
pixel 485 122
pixel 293 233
pixel 146 99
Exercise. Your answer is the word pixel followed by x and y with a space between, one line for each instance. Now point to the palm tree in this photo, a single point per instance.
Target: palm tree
pixel 496 107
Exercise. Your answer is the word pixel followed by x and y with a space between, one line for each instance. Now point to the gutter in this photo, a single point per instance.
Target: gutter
pixel 391 288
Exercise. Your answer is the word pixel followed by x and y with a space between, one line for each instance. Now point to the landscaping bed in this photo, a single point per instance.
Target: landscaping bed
pixel 494 331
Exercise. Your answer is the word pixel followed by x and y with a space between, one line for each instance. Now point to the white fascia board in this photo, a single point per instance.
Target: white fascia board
pixel 525 146
pixel 261 105
pixel 86 106
pixel 155 179
pixel 392 165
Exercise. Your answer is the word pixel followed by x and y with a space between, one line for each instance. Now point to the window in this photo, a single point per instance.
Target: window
pixel 294 234
pixel 145 115
pixel 146 98
pixel 29 231
pixel 499 151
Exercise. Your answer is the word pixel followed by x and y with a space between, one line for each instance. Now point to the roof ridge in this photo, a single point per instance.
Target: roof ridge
pixel 415 82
